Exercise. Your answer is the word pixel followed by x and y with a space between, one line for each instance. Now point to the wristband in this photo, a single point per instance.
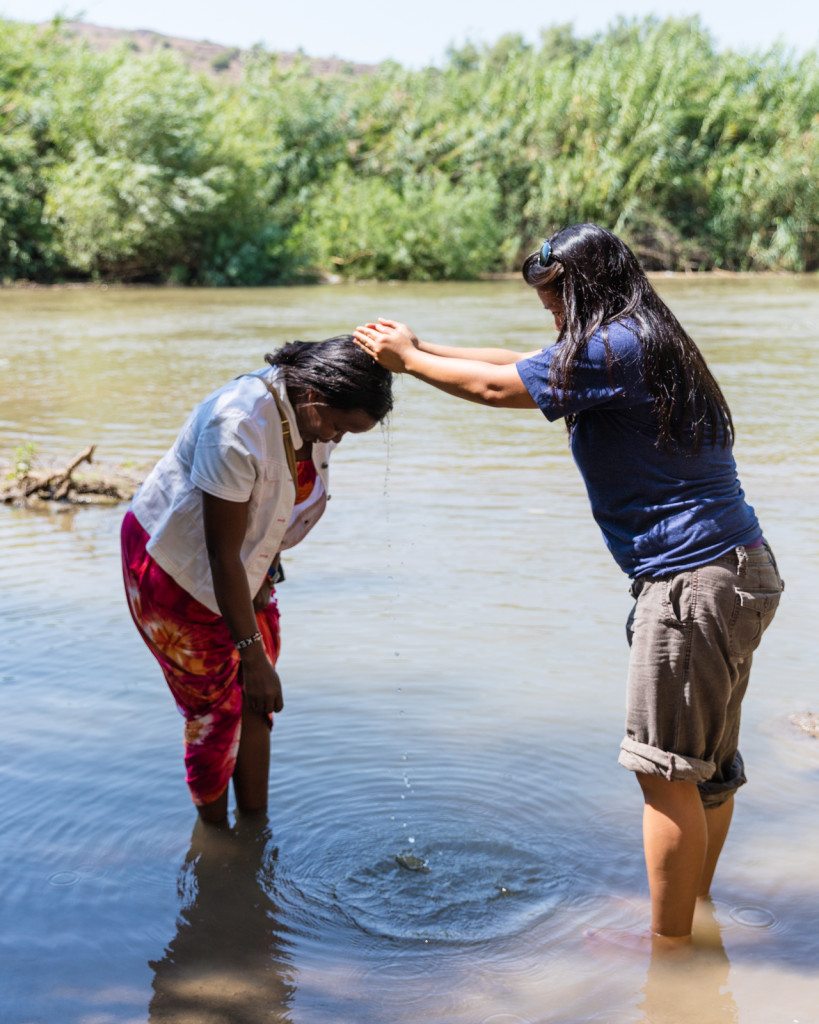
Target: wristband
pixel 248 641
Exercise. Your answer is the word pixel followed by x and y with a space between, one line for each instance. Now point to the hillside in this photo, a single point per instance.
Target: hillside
pixel 224 62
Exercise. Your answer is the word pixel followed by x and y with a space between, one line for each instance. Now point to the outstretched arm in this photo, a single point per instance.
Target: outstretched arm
pixel 498 356
pixel 395 347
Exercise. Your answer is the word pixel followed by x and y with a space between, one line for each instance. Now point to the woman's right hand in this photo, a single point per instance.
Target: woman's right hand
pixel 389 342
pixel 260 681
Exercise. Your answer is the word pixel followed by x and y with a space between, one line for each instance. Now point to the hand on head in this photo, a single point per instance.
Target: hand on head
pixel 390 343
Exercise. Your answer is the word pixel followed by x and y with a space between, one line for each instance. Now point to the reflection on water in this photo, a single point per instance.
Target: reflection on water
pixel 454 668
pixel 691 986
pixel 229 958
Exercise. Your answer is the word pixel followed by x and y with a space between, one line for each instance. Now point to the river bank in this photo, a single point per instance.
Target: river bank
pixel 334 280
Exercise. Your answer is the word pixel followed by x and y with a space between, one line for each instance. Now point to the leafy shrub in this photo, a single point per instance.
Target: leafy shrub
pixel 128 166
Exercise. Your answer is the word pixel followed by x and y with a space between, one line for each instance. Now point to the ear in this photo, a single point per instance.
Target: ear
pixel 314 397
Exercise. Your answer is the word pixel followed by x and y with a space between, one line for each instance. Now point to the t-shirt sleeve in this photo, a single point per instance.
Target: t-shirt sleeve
pixel 223 460
pixel 597 379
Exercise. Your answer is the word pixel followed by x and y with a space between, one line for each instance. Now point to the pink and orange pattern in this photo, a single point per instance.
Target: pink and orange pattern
pixel 201 665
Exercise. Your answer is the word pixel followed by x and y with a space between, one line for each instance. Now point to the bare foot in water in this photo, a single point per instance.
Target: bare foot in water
pixel 645 943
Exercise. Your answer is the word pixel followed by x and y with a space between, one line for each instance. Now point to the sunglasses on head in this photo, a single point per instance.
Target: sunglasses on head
pixel 545 254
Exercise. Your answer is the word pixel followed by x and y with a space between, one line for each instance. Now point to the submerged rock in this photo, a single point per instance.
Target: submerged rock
pixel 807 721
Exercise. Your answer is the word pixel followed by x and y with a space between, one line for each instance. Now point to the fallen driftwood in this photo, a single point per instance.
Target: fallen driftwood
pixel 807 721
pixel 29 489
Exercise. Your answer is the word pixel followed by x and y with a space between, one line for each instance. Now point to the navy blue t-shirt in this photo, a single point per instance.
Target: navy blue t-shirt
pixel 661 511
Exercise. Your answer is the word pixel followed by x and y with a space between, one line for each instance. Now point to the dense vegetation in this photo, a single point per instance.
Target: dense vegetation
pixel 127 167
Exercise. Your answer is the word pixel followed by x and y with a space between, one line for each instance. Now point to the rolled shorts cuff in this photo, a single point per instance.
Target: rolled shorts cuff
pixel 716 791
pixel 648 760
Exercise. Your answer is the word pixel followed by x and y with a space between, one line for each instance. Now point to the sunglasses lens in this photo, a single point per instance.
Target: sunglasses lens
pixel 545 253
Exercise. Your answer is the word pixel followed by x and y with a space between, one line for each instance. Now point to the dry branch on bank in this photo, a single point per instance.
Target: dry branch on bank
pixel 68 487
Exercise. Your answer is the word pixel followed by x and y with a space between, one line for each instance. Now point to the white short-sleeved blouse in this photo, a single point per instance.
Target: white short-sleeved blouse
pixel 232 447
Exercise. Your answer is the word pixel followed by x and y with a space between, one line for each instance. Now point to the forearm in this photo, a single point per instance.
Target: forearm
pixel 474 380
pixel 259 679
pixel 496 356
pixel 233 595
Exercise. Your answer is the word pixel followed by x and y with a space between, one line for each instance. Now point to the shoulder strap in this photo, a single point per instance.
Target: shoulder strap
pixel 289 449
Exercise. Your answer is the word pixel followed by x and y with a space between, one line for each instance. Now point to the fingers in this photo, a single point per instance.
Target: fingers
pixel 365 338
pixel 274 697
pixel 369 331
pixel 271 703
pixel 263 691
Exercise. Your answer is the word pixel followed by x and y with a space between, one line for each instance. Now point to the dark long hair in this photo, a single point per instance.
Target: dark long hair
pixel 344 376
pixel 600 281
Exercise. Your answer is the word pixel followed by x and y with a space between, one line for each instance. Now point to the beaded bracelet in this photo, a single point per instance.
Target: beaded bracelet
pixel 241 644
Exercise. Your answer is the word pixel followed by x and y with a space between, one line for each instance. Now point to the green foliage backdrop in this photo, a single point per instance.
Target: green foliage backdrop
pixel 118 166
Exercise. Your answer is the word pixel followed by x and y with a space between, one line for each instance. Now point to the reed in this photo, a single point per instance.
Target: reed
pixel 131 167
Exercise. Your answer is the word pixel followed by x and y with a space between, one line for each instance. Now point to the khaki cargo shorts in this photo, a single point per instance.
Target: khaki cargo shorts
pixel 693 637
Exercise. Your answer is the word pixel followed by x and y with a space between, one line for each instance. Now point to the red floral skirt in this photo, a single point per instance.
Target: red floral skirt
pixel 201 665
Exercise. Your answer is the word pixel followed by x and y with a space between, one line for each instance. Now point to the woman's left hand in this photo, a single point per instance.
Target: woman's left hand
pixel 390 343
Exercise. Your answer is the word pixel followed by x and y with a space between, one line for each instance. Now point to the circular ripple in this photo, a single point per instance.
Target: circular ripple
pixel 505 1018
pixel 753 917
pixel 64 878
pixel 387 983
pixel 470 892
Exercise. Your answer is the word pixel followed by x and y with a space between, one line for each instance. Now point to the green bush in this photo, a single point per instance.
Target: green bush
pixel 427 230
pixel 129 166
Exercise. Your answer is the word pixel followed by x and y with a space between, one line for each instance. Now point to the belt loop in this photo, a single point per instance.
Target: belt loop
pixel 742 560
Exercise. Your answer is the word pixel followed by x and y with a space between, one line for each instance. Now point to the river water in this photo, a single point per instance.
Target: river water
pixel 453 667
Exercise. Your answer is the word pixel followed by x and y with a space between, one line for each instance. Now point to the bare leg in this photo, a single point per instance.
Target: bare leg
pixel 250 777
pixel 674 840
pixel 215 813
pixel 717 823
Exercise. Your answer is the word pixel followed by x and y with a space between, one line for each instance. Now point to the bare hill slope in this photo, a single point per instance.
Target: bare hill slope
pixel 211 58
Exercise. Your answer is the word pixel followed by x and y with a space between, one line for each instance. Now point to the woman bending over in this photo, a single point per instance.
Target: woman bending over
pixel 246 478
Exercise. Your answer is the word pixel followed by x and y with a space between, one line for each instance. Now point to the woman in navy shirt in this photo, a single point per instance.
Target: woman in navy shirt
pixel 652 436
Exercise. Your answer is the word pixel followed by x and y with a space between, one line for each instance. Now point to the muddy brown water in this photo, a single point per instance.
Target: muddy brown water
pixel 454 663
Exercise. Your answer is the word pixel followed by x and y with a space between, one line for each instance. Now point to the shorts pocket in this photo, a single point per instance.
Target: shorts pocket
pixel 677 598
pixel 752 613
